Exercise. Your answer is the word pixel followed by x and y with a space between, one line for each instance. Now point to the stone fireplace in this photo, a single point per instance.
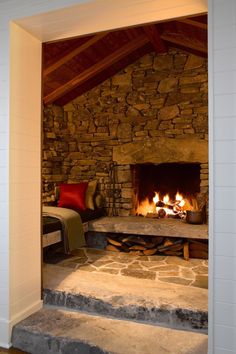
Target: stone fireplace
pixel 164 181
pixel 153 112
pixel 164 165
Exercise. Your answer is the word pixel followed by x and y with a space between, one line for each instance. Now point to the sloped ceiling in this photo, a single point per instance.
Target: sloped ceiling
pixel 72 67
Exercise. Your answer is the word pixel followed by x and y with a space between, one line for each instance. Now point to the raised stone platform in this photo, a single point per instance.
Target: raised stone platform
pixel 57 331
pixel 146 226
pixel 130 298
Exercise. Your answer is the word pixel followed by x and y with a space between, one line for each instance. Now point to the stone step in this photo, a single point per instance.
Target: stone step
pixel 144 300
pixel 56 331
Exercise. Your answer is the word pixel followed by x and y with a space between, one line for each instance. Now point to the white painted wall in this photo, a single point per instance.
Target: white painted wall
pixel 24 174
pixel 222 93
pixel 20 116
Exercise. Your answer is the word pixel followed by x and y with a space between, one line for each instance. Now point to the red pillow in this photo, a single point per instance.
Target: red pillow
pixel 73 195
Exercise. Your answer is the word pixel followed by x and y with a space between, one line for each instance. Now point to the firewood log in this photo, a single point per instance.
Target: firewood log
pixel 133 239
pixel 168 242
pixel 167 245
pixel 135 253
pixel 186 251
pixel 114 242
pixel 137 248
pixel 150 252
pixel 112 248
pixel 161 213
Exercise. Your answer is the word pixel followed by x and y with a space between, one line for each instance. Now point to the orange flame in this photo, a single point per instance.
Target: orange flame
pixel 156 198
pixel 166 199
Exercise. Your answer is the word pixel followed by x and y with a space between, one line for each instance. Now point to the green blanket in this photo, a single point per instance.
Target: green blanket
pixel 72 227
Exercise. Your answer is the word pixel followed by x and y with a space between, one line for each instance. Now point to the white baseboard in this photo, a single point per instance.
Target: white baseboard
pixel 7 325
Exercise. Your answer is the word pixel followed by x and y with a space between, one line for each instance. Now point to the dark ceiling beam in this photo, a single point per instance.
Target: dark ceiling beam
pixel 155 38
pixel 194 23
pixel 73 53
pixel 103 64
pixel 181 40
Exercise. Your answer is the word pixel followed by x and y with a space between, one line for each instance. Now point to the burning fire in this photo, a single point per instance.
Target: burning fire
pixel 163 207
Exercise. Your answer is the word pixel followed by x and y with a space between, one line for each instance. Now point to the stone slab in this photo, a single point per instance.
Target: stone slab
pixel 156 302
pixel 146 226
pixel 162 150
pixel 51 331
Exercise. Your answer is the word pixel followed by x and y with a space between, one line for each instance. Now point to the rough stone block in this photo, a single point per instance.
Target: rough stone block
pixel 163 63
pixel 188 80
pixel 123 176
pixel 124 131
pixel 167 85
pixel 193 62
pixel 168 112
pixel 204 183
pixel 127 193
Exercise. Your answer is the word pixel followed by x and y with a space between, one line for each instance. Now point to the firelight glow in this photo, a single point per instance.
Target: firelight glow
pixel 147 207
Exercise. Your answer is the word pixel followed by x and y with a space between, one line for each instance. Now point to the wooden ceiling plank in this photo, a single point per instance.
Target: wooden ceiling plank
pixel 117 55
pixel 180 40
pixel 194 23
pixel 155 38
pixel 73 53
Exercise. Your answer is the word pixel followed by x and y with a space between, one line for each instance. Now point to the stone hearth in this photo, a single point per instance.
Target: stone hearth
pixel 146 226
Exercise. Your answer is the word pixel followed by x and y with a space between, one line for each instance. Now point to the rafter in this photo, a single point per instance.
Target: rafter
pixel 194 23
pixel 182 41
pixel 73 53
pixel 155 38
pixel 103 64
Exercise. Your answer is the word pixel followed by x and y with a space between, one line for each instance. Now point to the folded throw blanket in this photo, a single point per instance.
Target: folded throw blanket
pixel 72 227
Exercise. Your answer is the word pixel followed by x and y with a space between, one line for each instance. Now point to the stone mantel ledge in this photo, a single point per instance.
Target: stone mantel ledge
pixel 151 227
pixel 162 150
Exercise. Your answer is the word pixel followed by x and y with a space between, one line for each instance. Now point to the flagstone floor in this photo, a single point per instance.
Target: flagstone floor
pixel 161 268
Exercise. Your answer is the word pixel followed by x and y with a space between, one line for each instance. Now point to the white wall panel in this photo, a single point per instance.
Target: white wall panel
pixel 224 37
pixel 222 94
pixel 225 128
pixel 225 105
pixel 225 198
pixel 225 268
pixel 225 291
pixel 225 221
pixel 225 314
pixel 225 244
pixel 223 14
pixel 225 174
pixel 225 151
pixel 225 59
pixel 225 82
pixel 225 337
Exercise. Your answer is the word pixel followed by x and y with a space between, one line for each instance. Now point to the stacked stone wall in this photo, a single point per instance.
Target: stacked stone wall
pixel 157 96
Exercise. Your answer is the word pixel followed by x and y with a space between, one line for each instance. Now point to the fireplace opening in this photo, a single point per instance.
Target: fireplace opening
pixel 173 187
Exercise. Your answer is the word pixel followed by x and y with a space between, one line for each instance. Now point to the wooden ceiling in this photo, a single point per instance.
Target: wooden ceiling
pixel 73 66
